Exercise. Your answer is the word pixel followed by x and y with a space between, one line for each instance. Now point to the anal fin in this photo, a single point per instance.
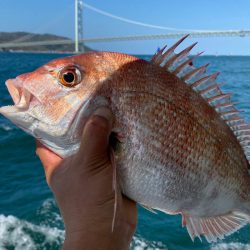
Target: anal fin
pixel 213 228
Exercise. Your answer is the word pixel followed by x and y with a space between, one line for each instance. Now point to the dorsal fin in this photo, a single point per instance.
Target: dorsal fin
pixel 181 65
pixel 161 58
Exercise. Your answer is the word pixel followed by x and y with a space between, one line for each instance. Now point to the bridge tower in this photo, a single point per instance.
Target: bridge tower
pixel 79 46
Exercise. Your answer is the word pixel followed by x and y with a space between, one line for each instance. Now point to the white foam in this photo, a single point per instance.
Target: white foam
pixel 139 243
pixel 6 127
pixel 230 246
pixel 50 214
pixel 22 235
pixel 19 234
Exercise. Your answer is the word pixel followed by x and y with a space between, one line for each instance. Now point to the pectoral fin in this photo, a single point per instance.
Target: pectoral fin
pixel 213 228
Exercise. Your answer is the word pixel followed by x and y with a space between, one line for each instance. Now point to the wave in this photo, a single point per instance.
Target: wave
pixel 48 233
pixel 49 215
pixel 23 235
pixel 53 218
pixel 139 243
pixel 6 127
pixel 230 246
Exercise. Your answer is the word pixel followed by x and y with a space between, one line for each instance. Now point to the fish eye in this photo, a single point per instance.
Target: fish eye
pixel 70 76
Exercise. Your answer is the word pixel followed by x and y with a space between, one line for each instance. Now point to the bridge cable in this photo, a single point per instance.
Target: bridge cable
pixel 90 7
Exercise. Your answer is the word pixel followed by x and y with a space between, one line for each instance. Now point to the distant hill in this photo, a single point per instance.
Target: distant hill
pixel 32 37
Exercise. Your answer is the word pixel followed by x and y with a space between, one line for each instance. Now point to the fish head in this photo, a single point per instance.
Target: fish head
pixel 53 102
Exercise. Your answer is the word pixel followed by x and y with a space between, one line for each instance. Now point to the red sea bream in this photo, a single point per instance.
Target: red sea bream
pixel 182 146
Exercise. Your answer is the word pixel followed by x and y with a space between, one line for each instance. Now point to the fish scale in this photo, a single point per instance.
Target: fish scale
pixel 183 146
pixel 171 139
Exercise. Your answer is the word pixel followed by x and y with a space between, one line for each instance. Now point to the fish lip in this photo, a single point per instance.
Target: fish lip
pixel 20 96
pixel 14 91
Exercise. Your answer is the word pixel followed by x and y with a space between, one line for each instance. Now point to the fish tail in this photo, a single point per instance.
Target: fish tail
pixel 214 228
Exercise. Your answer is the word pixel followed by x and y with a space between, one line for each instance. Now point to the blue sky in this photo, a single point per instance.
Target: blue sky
pixel 57 17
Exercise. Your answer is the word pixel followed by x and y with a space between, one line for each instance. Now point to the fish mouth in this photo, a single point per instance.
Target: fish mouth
pixel 20 96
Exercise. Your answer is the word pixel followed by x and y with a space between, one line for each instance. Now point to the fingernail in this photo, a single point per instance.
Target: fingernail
pixel 104 113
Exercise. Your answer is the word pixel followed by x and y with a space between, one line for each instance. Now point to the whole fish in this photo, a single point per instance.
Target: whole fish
pixel 181 146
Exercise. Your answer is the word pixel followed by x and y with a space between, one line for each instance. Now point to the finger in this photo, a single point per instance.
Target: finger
pixel 95 137
pixel 49 159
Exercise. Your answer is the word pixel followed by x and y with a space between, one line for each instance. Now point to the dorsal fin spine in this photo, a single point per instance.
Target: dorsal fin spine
pixel 217 97
pixel 204 79
pixel 230 112
pixel 246 142
pixel 246 128
pixel 242 137
pixel 208 89
pixel 183 65
pixel 224 105
pixel 157 57
pixel 201 70
pixel 161 58
pixel 236 119
pixel 179 55
pixel 171 49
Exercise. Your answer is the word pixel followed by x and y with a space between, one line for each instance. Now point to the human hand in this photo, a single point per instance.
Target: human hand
pixel 82 185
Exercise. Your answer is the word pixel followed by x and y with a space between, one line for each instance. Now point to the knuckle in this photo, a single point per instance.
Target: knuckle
pixel 98 124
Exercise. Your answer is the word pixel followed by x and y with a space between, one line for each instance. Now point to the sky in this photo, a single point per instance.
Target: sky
pixel 57 17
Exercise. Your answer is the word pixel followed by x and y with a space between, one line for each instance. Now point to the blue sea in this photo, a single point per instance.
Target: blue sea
pixel 29 217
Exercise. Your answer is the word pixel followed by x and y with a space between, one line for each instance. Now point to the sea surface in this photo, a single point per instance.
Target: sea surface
pixel 29 217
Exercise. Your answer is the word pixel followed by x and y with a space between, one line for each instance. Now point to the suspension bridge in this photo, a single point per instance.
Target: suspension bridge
pixel 80 40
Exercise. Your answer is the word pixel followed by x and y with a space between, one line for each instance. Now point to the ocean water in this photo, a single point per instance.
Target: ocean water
pixel 29 217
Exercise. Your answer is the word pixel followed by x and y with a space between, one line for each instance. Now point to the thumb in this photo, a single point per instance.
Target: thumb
pixel 95 137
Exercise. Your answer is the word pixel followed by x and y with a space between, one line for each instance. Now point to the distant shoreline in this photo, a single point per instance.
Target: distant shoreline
pixel 38 52
pixel 18 40
pixel 73 53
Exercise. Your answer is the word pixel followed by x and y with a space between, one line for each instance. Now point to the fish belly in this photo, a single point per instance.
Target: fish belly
pixel 165 188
